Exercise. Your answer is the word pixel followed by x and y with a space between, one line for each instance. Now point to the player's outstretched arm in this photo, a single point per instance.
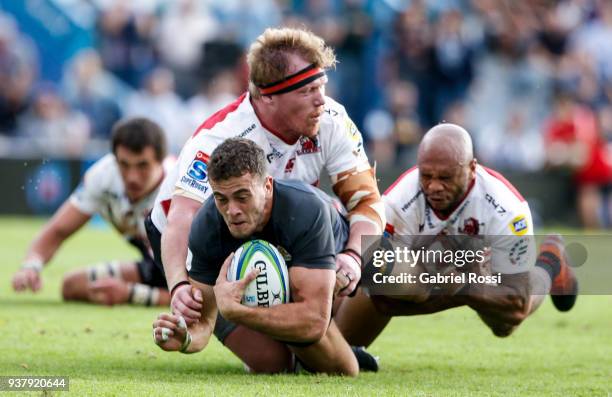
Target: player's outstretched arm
pixel 508 302
pixel 66 221
pixel 174 253
pixel 171 332
pixel 304 320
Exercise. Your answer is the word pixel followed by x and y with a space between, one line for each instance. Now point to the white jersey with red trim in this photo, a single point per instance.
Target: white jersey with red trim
pixel 492 209
pixel 337 148
pixel 102 191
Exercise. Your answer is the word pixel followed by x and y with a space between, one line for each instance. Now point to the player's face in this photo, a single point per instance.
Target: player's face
pixel 242 202
pixel 299 112
pixel 444 181
pixel 141 172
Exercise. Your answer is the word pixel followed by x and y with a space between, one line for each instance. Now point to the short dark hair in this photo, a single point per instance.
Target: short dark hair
pixel 236 157
pixel 138 133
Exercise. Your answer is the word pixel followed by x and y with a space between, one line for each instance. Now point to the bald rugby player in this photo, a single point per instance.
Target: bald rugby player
pixel 449 196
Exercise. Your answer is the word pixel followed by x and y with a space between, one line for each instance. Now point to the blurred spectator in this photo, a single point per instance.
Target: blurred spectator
pixel 574 141
pixel 194 23
pixel 393 133
pixel 158 101
pixel 215 94
pixel 18 69
pixel 126 42
pixel 516 145
pixel 94 91
pixel 51 127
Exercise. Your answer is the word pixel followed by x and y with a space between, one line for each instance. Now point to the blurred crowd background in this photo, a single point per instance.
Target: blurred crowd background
pixel 530 79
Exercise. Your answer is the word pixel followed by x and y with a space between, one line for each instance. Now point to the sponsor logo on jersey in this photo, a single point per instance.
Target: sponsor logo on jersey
pixel 331 112
pixel 518 225
pixel 518 252
pixel 498 208
pixel 411 201
pixel 247 131
pixel 308 146
pixel 355 136
pixel 194 184
pixel 289 166
pixel 273 155
pixel 471 227
pixel 198 169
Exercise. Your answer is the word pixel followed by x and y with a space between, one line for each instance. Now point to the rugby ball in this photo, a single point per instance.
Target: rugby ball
pixel 271 287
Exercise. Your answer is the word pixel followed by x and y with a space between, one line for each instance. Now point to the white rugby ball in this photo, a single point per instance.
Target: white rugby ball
pixel 271 287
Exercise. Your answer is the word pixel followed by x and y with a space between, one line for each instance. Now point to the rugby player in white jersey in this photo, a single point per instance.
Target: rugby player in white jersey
pixel 302 132
pixel 121 187
pixel 449 194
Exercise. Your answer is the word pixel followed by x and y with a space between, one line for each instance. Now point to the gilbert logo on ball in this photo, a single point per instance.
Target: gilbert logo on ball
pixel 271 287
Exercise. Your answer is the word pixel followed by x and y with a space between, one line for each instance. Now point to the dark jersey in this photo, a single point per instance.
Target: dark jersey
pixel 304 225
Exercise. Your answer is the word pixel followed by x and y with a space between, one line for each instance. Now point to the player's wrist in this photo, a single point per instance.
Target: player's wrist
pixel 353 254
pixel 35 264
pixel 177 286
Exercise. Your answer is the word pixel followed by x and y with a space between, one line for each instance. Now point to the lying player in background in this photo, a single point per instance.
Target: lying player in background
pixel 449 194
pixel 121 187
pixel 305 224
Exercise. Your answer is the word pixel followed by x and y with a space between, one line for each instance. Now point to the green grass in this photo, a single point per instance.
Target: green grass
pixel 109 351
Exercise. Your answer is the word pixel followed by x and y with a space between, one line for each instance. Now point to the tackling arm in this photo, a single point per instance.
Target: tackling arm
pixel 508 301
pixel 175 238
pixel 358 191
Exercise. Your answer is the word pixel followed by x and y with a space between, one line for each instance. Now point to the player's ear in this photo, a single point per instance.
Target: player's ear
pixel 268 185
pixel 473 164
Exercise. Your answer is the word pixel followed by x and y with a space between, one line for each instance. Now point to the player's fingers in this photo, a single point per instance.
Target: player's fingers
pixel 164 323
pixel 184 296
pixel 18 283
pixel 162 334
pixel 33 281
pixel 346 291
pixel 186 312
pixel 167 317
pixel 197 295
pixel 252 275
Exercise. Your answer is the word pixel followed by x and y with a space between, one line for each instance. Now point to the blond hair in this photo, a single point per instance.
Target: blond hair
pixel 268 57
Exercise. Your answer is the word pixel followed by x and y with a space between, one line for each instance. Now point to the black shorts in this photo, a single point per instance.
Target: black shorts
pixel 150 273
pixel 154 237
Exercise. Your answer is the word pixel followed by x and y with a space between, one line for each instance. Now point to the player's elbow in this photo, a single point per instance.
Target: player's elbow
pixel 316 328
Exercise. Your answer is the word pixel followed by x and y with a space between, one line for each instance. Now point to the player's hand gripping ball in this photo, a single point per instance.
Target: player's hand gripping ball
pixel 271 286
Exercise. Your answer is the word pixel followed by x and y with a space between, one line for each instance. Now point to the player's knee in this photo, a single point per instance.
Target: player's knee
pixel 350 368
pixel 269 365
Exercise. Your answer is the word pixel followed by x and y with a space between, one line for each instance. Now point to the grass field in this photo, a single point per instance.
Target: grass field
pixel 109 351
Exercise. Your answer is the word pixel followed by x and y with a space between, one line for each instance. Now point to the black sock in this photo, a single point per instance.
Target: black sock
pixel 550 263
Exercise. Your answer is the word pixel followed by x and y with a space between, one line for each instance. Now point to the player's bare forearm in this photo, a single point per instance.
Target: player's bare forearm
pixel 358 229
pixel 66 221
pixel 175 239
pixel 389 306
pixel 202 330
pixel 511 295
pixel 292 322
pixel 304 320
